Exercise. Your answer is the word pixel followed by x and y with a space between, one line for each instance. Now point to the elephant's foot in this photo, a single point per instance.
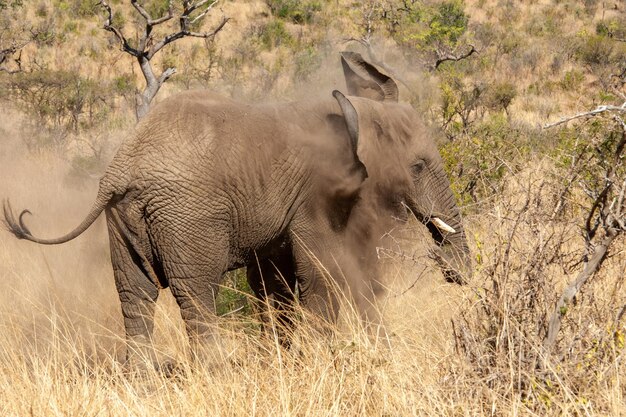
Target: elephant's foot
pixel 205 348
pixel 142 359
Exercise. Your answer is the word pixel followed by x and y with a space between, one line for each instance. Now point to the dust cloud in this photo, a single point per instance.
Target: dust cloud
pixel 40 285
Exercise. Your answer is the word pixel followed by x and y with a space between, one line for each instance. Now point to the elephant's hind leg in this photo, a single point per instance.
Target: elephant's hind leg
pixel 194 280
pixel 137 292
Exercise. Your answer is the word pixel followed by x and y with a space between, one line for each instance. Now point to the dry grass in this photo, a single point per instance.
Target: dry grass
pixel 62 332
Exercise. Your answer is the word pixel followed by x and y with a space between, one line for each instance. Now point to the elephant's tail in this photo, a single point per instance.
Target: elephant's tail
pixel 19 229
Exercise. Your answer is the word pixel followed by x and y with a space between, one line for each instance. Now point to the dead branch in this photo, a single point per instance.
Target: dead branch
pixel 147 47
pixel 598 110
pixel 444 57
pixel 607 213
pixel 6 53
pixel 591 267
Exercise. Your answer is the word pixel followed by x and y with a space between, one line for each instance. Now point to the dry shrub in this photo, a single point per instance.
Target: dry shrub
pixel 527 251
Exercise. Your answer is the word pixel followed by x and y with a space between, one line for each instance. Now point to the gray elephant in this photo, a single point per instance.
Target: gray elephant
pixel 405 174
pixel 204 184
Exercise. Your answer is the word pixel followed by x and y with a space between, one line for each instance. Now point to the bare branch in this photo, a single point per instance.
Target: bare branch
pixel 594 112
pixel 607 216
pixel 450 57
pixel 141 10
pixel 117 32
pixel 146 49
pixel 166 75
pixel 182 33
pixel 149 20
pixel 591 267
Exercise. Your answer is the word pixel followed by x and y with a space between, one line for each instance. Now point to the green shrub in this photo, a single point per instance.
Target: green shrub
pixel 572 80
pixel 60 99
pixel 595 50
pixel 123 85
pixel 5 4
pixel 118 20
pixel 70 27
pixel 157 8
pixel 274 34
pixel 298 12
pixel 86 8
pixel 427 27
pixel 478 161
pixel 501 95
pixel 307 61
pixel 234 295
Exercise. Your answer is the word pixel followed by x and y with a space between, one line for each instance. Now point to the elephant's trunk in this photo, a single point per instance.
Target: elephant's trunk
pixel 443 220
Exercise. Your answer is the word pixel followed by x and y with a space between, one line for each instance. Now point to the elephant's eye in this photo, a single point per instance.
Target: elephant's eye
pixel 418 167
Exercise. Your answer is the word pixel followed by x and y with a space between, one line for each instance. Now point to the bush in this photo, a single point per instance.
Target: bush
pixel 298 12
pixel 274 34
pixel 572 80
pixel 60 100
pixel 501 95
pixel 428 27
pixel 478 161
pixel 595 50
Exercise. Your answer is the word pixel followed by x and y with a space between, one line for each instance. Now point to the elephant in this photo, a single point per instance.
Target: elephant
pixel 203 185
pixel 405 176
pixel 299 192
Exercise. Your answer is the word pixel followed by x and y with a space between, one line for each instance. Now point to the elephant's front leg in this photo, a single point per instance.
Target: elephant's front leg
pixel 319 276
pixel 273 281
pixel 138 295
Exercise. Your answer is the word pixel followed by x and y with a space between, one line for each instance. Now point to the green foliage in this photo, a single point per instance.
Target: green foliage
pixel 595 49
pixel 572 80
pixel 118 20
pixel 426 27
pixel 273 34
pixel 70 26
pixel 60 99
pixel 612 28
pixel 124 85
pixel 86 8
pixel 5 4
pixel 234 295
pixel 478 161
pixel 501 95
pixel 462 102
pixel 298 12
pixel 45 34
pixel 307 61
pixel 157 8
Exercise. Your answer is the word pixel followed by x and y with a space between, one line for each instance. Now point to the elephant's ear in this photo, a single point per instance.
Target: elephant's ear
pixel 364 80
pixel 351 119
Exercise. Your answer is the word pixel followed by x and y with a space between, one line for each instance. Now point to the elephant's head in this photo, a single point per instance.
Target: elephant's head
pixel 405 168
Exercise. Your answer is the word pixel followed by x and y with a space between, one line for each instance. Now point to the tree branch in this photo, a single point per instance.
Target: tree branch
pixel 449 57
pixel 182 33
pixel 606 211
pixel 117 32
pixel 594 112
pixel 591 267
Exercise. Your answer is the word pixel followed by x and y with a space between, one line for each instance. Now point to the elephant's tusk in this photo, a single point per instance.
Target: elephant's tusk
pixel 441 225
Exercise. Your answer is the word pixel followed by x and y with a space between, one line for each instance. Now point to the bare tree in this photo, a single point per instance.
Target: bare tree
pixel 147 47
